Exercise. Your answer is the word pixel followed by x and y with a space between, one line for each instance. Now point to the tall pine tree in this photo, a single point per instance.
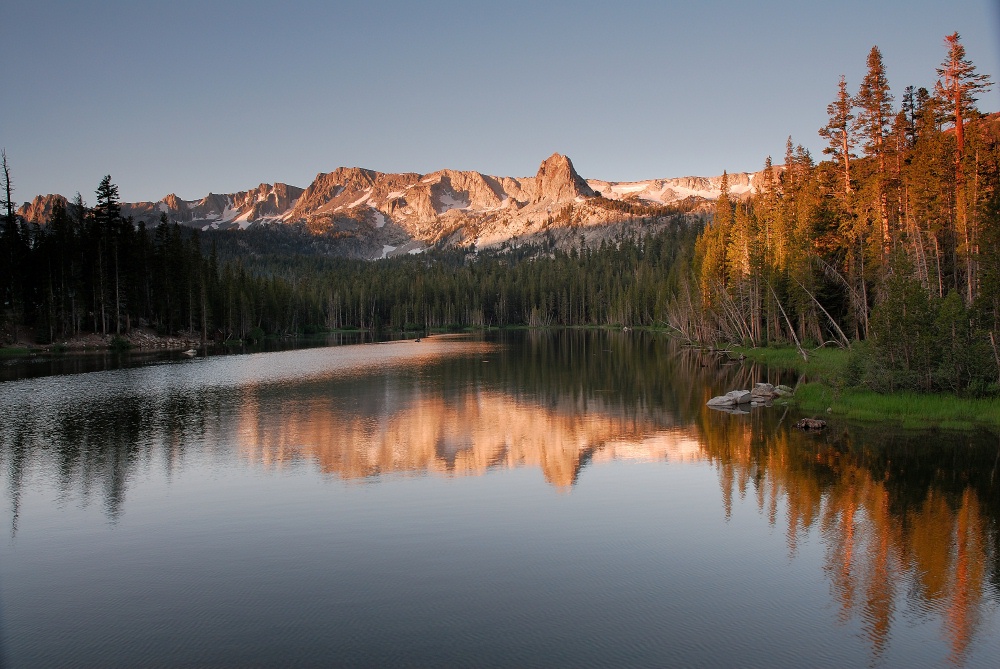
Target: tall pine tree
pixel 838 131
pixel 958 88
pixel 874 102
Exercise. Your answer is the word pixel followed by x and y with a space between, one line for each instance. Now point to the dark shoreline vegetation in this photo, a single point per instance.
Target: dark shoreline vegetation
pixel 892 255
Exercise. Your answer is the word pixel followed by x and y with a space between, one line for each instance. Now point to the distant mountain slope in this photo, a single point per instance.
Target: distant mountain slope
pixel 387 214
pixel 672 191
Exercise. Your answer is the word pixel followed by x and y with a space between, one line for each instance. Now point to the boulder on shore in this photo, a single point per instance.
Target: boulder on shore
pixel 731 399
pixel 720 401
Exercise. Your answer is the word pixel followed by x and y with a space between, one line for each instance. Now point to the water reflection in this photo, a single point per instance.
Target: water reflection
pixel 49 363
pixel 908 522
pixel 92 432
pixel 467 433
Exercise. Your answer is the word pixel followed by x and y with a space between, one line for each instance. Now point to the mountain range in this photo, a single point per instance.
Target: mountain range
pixel 383 214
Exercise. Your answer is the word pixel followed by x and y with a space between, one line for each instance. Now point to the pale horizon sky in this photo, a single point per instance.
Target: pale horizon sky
pixel 199 97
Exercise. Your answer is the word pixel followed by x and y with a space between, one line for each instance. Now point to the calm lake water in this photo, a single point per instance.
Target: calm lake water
pixel 530 499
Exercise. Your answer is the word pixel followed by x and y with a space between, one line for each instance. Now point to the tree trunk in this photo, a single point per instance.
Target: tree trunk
pixel 118 302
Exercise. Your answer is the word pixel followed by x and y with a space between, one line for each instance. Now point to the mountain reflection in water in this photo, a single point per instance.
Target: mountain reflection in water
pixel 908 523
pixel 467 434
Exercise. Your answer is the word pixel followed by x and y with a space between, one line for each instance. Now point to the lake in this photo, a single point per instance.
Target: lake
pixel 520 499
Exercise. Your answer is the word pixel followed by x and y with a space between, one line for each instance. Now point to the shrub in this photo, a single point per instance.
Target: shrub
pixel 119 343
pixel 922 342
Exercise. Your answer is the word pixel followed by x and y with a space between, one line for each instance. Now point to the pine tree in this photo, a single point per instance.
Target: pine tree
pixel 838 131
pixel 14 250
pixel 874 103
pixel 714 243
pixel 108 209
pixel 910 109
pixel 106 223
pixel 9 239
pixel 958 87
pixel 8 190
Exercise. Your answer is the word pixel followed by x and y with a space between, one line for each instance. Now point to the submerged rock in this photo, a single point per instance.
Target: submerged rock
pixel 739 409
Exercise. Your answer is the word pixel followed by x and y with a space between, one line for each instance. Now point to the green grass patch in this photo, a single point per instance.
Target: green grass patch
pixel 910 409
pixel 825 364
pixel 12 351
pixel 831 375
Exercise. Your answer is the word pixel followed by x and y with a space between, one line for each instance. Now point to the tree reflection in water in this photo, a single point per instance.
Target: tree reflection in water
pixel 897 514
pixel 907 520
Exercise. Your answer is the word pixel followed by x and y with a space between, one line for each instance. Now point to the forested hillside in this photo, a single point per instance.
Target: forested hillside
pixel 91 270
pixel 893 241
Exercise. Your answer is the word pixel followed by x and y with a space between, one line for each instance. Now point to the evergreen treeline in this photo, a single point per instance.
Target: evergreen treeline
pixel 630 282
pixel 91 270
pixel 897 247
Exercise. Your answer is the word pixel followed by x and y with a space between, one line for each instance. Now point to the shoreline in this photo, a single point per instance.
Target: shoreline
pixel 138 339
pixel 820 390
pixel 145 340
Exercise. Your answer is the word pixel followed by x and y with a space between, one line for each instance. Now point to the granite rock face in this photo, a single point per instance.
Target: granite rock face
pixel 557 181
pixel 39 210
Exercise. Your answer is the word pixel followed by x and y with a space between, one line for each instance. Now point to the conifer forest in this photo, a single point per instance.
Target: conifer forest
pixel 892 243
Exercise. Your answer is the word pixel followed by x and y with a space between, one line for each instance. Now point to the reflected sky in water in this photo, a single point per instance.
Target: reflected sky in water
pixel 530 499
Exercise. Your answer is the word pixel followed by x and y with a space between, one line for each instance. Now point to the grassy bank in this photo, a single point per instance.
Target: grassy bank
pixel 824 388
pixel 825 364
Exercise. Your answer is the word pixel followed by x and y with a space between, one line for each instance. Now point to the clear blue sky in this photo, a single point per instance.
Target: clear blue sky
pixel 192 97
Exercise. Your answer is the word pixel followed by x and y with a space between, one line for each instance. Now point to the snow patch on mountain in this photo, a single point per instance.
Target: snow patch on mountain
pixel 228 214
pixel 449 201
pixel 360 201
pixel 672 191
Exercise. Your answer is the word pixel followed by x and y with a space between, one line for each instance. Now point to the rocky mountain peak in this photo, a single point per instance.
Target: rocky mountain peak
pixel 39 210
pixel 557 180
pixel 172 201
